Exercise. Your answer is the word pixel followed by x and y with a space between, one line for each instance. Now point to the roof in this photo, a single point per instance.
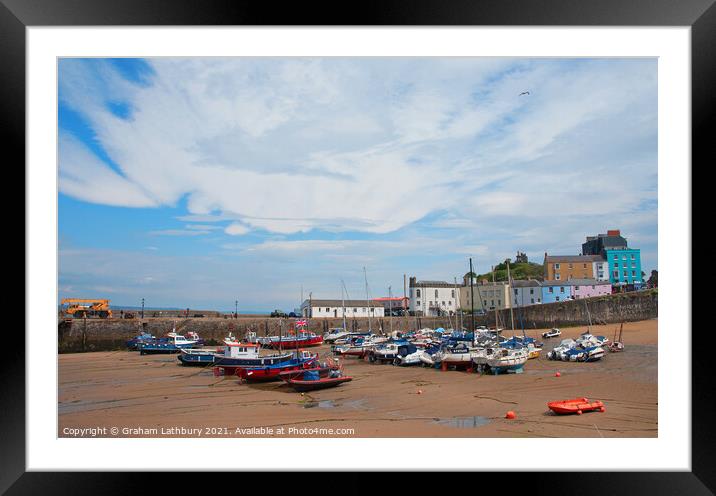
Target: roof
pixel 584 282
pixel 394 298
pixel 573 258
pixel 575 282
pixel 530 283
pixel 348 303
pixel 432 284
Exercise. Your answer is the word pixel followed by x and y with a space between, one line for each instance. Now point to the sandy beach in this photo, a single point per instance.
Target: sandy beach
pixel 153 396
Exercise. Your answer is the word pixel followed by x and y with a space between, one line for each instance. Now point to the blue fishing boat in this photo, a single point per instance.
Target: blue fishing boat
pixel 191 356
pixel 173 343
pixel 144 337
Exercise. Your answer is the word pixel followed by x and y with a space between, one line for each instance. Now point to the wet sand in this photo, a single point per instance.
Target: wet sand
pixel 153 396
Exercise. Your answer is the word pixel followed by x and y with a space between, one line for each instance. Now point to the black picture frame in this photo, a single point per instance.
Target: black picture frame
pixel 16 15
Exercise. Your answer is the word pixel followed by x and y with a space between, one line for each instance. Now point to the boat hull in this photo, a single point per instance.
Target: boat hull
pixel 328 382
pixel 576 406
pixel 291 344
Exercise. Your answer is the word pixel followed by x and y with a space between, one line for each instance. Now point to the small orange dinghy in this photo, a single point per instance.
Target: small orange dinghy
pixel 577 405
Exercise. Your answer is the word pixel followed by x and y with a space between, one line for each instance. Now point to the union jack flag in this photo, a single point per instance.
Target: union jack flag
pixel 301 323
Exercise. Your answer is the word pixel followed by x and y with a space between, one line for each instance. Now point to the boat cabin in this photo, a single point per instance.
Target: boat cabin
pixel 235 349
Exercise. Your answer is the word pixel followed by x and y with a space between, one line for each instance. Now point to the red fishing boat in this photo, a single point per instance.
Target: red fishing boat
pixel 577 405
pixel 314 378
pixel 254 373
pixel 292 341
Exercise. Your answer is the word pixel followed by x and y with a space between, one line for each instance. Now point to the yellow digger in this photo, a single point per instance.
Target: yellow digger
pixel 82 307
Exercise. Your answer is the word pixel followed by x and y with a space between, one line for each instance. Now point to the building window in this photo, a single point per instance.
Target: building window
pixel 453 293
pixel 616 274
pixel 570 266
pixel 484 304
pixel 436 293
pixel 585 266
pixel 418 303
pixel 493 303
pixel 499 302
pixel 633 273
pixel 576 288
pixel 515 292
pixel 532 291
pixel 417 293
pixel 616 257
pixel 561 289
pixel 551 289
pixel 533 300
pixel 556 266
pixel 556 277
pixel 625 273
pixel 355 310
pixel 556 298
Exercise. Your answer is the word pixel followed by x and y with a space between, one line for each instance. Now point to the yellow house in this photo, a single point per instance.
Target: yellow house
pixel 565 267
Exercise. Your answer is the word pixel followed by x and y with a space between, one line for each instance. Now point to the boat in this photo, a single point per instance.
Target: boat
pixel 293 341
pixel 617 343
pixel 312 379
pixel 501 360
pixel 358 346
pixel 334 334
pixel 144 337
pixel 191 356
pixel 455 355
pixel 172 343
pixel 391 352
pixel 236 355
pixel 552 333
pixel 559 351
pixel 577 405
pixel 254 373
pixel 580 354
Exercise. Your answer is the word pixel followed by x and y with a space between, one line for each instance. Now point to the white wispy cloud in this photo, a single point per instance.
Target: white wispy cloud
pixel 290 145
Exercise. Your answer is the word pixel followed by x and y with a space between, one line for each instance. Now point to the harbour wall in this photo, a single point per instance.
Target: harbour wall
pixel 77 335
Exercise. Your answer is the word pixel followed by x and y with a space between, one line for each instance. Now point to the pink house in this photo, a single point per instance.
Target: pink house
pixel 589 288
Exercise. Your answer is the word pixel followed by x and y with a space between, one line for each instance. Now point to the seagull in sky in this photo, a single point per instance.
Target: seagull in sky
pixel 524 93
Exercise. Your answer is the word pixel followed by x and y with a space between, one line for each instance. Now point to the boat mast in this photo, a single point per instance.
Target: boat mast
pixel 509 283
pixel 472 298
pixel 343 302
pixel 367 300
pixel 390 305
pixel 494 287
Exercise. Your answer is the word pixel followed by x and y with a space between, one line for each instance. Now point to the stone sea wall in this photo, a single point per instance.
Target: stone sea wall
pixel 77 335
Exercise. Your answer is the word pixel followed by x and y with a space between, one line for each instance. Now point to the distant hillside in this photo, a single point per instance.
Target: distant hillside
pixel 517 271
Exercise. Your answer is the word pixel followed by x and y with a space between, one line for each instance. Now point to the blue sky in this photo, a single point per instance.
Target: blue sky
pixel 194 182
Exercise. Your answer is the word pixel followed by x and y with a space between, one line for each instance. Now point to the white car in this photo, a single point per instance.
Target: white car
pixel 553 333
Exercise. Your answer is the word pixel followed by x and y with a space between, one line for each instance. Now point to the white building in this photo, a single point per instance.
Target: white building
pixel 601 270
pixel 433 298
pixel 335 308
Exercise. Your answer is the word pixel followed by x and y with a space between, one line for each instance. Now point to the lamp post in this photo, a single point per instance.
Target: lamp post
pixel 236 313
pixel 142 307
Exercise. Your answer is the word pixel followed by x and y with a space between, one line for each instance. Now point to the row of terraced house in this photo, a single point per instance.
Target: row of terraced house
pixel 606 265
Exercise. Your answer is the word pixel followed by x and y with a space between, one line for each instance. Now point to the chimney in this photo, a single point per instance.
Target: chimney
pixel 412 282
pixel 614 232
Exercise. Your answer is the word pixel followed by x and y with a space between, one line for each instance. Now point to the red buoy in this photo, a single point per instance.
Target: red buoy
pixel 420 391
pixel 558 374
pixel 510 415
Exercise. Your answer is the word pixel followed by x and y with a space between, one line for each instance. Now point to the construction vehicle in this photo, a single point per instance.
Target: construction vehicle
pixel 81 307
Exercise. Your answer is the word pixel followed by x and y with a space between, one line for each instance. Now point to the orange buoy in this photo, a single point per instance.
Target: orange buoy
pixel 510 415
pixel 558 374
pixel 420 391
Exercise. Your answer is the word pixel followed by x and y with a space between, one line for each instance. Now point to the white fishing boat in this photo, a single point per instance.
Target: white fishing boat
pixel 559 351
pixel 505 360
